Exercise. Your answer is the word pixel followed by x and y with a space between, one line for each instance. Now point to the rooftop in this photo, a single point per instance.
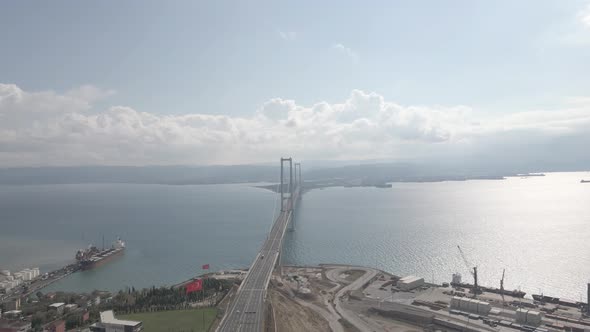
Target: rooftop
pixel 13 312
pixel 410 279
pixel 108 317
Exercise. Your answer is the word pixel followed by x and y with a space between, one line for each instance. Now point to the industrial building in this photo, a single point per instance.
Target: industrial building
pixel 8 281
pixel 529 317
pixel 470 305
pixel 108 323
pixel 409 283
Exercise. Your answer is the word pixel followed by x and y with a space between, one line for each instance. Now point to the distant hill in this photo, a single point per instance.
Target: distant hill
pixel 362 172
pixel 175 175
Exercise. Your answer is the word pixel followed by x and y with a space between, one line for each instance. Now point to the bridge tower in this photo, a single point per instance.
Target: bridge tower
pixel 283 198
pixel 300 178
pixel 298 175
pixel 296 186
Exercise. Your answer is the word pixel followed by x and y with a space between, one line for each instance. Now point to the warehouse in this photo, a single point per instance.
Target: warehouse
pixel 409 283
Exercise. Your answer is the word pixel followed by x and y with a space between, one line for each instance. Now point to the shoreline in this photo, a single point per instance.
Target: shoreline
pixel 371 299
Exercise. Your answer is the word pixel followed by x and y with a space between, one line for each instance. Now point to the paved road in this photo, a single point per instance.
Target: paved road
pixel 247 311
pixel 351 317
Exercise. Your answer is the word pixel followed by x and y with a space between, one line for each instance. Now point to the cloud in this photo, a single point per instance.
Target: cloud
pixel 49 128
pixel 287 35
pixel 578 100
pixel 346 50
pixel 584 16
pixel 572 32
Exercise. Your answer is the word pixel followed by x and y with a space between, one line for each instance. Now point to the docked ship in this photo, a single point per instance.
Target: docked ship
pixel 92 256
pixel 556 300
pixel 513 293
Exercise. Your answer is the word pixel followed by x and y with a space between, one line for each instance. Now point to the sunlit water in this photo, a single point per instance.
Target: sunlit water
pixel 536 228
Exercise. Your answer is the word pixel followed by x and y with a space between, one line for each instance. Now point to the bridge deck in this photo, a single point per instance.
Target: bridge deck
pixel 247 310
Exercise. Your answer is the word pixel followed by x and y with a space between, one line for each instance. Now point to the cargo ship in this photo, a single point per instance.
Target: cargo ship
pixel 93 257
pixel 513 293
pixel 556 300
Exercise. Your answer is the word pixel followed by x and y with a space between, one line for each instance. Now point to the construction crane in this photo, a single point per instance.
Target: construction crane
pixel 502 287
pixel 473 272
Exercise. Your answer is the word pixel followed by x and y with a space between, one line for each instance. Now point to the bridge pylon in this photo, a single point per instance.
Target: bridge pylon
pixel 282 188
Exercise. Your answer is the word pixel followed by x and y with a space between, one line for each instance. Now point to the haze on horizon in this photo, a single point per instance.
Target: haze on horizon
pixel 140 83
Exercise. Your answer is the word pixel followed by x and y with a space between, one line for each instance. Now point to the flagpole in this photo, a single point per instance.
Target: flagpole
pixel 203 278
pixel 203 301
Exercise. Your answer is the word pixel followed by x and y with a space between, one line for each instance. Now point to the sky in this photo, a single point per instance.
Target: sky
pixel 222 82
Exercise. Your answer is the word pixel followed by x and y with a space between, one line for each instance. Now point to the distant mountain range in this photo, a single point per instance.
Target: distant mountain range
pixel 184 175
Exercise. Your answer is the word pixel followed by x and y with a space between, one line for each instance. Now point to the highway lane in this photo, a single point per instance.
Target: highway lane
pixel 247 311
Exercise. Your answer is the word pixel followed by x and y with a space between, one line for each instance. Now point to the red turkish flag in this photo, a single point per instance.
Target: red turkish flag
pixel 205 267
pixel 194 286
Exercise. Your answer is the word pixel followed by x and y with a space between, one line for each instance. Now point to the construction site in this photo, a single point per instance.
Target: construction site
pixel 354 298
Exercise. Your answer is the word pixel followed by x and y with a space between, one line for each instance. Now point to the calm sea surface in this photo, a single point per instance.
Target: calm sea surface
pixel 538 229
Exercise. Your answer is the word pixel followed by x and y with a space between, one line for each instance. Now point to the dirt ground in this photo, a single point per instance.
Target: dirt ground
pixel 290 316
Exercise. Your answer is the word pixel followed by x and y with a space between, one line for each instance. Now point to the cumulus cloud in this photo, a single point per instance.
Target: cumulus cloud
pixel 346 50
pixel 49 128
pixel 584 16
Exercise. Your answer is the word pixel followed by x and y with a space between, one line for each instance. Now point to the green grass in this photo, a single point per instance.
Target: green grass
pixel 174 320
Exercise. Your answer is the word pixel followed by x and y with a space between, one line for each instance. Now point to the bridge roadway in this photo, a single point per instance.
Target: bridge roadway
pixel 246 313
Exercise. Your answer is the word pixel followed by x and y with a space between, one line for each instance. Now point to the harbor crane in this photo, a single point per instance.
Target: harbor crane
pixel 473 272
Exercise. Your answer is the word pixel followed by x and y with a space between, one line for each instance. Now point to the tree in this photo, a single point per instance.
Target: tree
pixel 73 321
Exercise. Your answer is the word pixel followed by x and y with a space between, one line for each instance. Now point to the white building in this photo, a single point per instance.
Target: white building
pixel 20 276
pixel 529 317
pixel 13 314
pixel 470 305
pixel 71 307
pixel 409 283
pixel 59 307
pixel 5 285
pixel 108 323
